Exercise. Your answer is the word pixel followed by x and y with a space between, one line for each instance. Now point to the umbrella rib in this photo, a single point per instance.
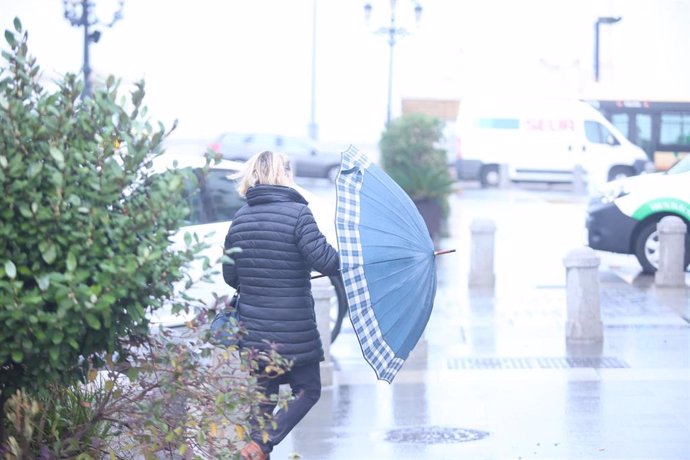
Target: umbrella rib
pixel 401 222
pixel 380 262
pixel 400 235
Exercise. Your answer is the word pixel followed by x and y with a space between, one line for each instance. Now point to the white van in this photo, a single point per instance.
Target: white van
pixel 541 141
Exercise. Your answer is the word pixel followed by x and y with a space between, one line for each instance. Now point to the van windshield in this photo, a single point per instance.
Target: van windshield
pixel 681 167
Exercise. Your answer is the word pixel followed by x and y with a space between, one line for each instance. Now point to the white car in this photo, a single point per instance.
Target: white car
pixel 308 159
pixel 623 216
pixel 212 210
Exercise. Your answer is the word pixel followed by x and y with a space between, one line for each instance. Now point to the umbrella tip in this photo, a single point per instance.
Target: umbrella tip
pixel 444 251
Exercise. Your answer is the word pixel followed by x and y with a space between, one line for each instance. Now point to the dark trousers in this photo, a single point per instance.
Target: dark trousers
pixel 305 383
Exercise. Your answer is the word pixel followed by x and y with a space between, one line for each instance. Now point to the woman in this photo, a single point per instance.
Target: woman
pixel 280 245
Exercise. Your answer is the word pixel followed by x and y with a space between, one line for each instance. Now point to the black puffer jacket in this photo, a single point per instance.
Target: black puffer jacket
pixel 281 244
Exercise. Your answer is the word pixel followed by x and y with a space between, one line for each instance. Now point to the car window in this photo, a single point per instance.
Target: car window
pixel 643 121
pixel 233 138
pixel 261 142
pixel 675 128
pixel 597 133
pixel 217 199
pixel 592 132
pixel 682 166
pixel 622 122
pixel 292 145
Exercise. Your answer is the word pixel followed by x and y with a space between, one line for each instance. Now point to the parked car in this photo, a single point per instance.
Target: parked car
pixel 212 210
pixel 308 160
pixel 622 217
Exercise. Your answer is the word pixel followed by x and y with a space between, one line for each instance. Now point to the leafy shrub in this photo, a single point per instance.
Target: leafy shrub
pixel 85 253
pixel 410 156
pixel 84 240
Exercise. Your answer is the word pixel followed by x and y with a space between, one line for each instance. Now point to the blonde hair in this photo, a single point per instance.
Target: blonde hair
pixel 268 168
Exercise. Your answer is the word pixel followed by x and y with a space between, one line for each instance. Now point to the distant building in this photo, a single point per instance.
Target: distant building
pixel 444 109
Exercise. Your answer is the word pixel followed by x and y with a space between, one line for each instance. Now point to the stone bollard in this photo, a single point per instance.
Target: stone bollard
pixel 582 295
pixel 482 253
pixel 580 182
pixel 504 176
pixel 671 272
pixel 324 296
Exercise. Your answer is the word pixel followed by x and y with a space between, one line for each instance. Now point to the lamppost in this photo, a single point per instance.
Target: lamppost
pixel 600 20
pixel 80 14
pixel 313 126
pixel 392 31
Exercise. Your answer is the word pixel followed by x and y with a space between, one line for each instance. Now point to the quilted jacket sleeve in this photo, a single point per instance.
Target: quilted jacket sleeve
pixel 313 245
pixel 230 270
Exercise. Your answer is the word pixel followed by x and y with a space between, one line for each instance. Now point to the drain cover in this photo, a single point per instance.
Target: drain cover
pixel 434 435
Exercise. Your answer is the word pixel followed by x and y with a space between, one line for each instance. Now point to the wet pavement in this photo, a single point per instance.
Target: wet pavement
pixel 495 378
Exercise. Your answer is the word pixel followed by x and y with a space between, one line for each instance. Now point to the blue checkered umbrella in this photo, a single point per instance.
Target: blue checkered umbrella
pixel 387 263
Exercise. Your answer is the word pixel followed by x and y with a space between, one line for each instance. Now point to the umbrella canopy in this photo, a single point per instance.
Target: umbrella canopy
pixel 387 263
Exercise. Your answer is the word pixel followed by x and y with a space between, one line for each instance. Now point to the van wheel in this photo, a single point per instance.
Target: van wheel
pixel 489 176
pixel 620 172
pixel 647 247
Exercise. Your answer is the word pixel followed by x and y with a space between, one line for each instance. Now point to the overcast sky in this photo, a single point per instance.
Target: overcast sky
pixel 230 65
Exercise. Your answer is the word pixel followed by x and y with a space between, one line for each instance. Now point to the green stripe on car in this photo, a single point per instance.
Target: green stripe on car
pixel 673 205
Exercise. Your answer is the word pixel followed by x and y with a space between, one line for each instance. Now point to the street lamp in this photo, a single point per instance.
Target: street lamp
pixel 392 32
pixel 313 126
pixel 600 20
pixel 80 14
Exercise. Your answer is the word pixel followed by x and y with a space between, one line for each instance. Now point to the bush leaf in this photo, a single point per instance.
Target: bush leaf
pixel 9 36
pixel 43 282
pixel 92 321
pixel 10 269
pixel 49 253
pixel 57 156
pixel 71 262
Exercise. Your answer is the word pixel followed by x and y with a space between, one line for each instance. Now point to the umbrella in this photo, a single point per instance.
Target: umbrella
pixel 387 262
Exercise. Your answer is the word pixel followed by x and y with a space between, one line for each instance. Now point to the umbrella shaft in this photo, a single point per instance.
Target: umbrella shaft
pixel 436 253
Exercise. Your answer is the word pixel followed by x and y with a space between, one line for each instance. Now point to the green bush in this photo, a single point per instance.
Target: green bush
pixel 84 225
pixel 85 253
pixel 410 156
